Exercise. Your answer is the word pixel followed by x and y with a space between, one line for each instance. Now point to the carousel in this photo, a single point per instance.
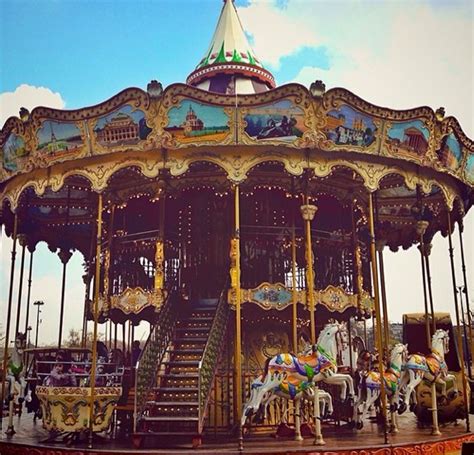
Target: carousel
pixel 246 224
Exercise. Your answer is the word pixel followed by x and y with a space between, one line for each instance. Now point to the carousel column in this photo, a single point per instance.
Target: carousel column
pixel 10 430
pixel 108 273
pixel 87 279
pixel 458 323
pixel 307 212
pixel 28 295
pixel 466 295
pixel 379 246
pixel 378 315
pixel 22 242
pixel 427 253
pixel 64 256
pixel 236 289
pixel 421 227
pixel 95 314
pixel 160 250
pixel 293 284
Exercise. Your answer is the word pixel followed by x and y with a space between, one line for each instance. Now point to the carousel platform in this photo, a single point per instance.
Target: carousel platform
pixel 30 437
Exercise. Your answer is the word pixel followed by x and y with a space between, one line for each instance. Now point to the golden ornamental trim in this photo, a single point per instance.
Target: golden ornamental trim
pixel 135 300
pixel 335 299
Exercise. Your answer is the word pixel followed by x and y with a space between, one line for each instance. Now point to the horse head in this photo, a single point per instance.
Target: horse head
pixel 440 342
pixel 20 343
pixel 399 354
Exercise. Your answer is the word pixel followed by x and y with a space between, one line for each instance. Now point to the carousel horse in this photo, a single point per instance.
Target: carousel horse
pixel 433 368
pixel 369 388
pixel 287 371
pixel 15 376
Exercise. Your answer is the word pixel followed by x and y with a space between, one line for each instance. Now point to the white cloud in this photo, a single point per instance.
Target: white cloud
pixel 398 54
pixel 28 96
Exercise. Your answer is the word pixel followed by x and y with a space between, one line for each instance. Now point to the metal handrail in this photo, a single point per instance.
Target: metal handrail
pixel 210 357
pixel 152 355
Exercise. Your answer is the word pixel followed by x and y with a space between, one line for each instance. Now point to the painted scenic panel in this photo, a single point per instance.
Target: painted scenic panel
pixel 282 119
pixel 470 168
pixel 57 138
pixel 347 126
pixel 409 138
pixel 450 153
pixel 191 121
pixel 124 126
pixel 14 151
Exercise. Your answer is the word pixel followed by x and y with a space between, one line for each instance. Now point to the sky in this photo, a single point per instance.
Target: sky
pixel 399 53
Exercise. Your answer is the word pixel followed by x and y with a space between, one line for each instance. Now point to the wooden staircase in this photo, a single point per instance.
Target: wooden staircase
pixel 173 408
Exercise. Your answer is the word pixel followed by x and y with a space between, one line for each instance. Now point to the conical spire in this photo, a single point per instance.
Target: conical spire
pixel 230 56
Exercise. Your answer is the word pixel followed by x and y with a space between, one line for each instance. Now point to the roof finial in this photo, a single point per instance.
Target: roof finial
pixel 230 53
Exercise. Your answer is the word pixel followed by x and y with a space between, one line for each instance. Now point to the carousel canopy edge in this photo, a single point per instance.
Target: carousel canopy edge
pixel 185 117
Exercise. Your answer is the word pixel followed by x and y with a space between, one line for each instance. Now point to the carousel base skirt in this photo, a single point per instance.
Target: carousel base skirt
pixel 30 439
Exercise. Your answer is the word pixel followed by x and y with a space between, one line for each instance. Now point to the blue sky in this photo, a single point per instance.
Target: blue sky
pixel 396 53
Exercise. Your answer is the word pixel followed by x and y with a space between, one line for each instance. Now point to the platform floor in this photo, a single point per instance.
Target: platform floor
pixel 29 440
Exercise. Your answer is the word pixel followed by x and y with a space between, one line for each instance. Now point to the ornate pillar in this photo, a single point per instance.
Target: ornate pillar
pixel 421 227
pixel 28 297
pixel 307 212
pixel 379 246
pixel 466 295
pixel 236 291
pixel 458 323
pixel 378 314
pixel 64 255
pixel 95 314
pixel 9 314
pixel 22 241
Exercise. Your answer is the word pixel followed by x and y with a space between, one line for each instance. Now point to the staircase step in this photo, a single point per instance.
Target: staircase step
pixel 182 363
pixel 178 389
pixel 186 351
pixel 169 418
pixel 173 403
pixel 192 329
pixel 179 376
pixel 190 340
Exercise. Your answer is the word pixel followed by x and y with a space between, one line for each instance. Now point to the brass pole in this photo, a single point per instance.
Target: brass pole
pixel 466 294
pixel 64 256
pixel 293 283
pixel 238 328
pixel 9 310
pixel 383 394
pixel 28 296
pixel 95 316
pixel 380 245
pixel 308 212
pixel 386 327
pixel 458 323
pixel 421 247
pixel 430 290
pixel 22 242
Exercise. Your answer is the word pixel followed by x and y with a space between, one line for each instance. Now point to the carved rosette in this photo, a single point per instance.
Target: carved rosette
pixel 335 299
pixel 308 211
pixel 271 296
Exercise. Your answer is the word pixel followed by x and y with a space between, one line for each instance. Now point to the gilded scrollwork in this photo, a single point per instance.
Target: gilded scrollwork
pixel 159 265
pixel 135 300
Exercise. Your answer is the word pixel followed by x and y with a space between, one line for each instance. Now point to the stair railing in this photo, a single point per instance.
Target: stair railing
pixel 152 355
pixel 210 357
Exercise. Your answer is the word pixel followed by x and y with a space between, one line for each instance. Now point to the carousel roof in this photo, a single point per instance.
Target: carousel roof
pixel 230 64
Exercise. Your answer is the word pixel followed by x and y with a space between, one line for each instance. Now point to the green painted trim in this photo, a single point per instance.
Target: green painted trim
pixel 221 56
pixel 251 59
pixel 236 56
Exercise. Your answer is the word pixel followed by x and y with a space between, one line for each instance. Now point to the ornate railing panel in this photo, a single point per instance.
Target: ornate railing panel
pixel 210 357
pixel 153 354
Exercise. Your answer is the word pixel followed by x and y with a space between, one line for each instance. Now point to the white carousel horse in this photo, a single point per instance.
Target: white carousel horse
pixel 432 368
pixel 289 388
pixel 15 372
pixel 296 373
pixel 369 388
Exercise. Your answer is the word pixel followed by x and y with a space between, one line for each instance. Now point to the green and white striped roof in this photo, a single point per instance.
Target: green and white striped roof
pixel 229 43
